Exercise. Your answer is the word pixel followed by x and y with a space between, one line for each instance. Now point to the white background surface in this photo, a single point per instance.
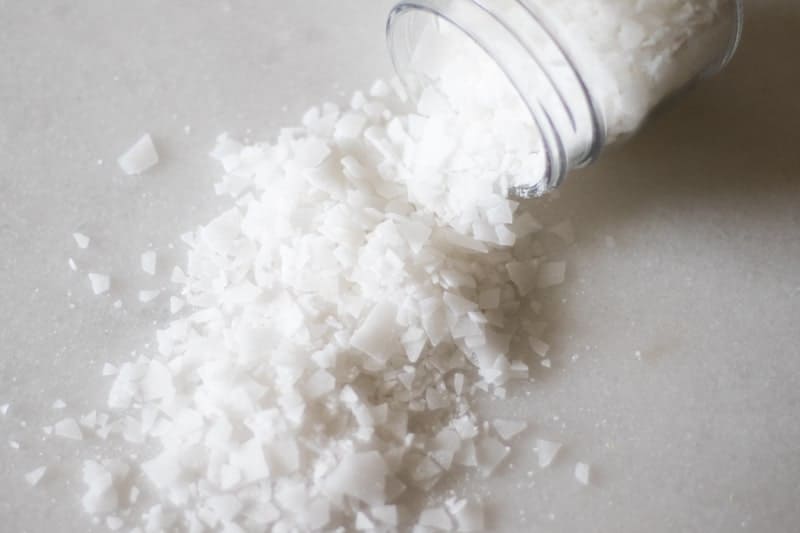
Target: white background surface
pixel 702 434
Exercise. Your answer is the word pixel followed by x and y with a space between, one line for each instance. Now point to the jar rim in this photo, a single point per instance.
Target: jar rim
pixel 561 104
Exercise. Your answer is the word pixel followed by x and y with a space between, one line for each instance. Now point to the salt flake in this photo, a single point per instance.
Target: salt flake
pixel 140 157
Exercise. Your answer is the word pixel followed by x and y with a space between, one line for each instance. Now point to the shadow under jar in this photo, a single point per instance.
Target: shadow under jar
pixel 587 72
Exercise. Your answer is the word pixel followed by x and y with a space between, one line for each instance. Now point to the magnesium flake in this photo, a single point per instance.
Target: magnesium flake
pixel 334 324
pixel 140 157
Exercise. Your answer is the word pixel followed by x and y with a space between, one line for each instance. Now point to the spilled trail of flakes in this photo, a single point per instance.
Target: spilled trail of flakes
pixel 330 336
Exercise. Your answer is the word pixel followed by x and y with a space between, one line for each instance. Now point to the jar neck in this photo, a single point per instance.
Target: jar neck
pixel 521 43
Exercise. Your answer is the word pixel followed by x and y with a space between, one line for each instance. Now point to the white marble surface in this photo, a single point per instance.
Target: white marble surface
pixel 702 434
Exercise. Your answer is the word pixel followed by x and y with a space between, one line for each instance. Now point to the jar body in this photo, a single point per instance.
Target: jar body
pixel 589 72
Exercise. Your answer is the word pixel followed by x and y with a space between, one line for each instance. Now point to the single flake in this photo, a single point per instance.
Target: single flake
pixel 546 451
pixel 582 473
pixel 140 157
pixel 101 283
pixel 81 240
pixel 35 476
pixel 68 429
pixel 148 261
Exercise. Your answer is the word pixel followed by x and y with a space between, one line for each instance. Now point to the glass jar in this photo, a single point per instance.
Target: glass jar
pixel 588 72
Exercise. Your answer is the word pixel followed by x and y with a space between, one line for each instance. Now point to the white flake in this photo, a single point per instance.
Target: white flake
pixel 551 274
pixel 385 514
pixel 546 451
pixel 378 328
pixel 363 523
pixel 582 473
pixel 146 296
pixel 508 429
pixel 540 347
pixel 468 515
pixel 342 293
pixel 436 518
pixel 68 429
pixel 148 261
pixel 140 157
pixel 35 476
pixel 176 304
pixel 81 240
pixel 101 283
pixel 362 476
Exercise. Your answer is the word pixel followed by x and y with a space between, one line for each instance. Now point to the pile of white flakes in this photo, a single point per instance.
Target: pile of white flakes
pixel 331 333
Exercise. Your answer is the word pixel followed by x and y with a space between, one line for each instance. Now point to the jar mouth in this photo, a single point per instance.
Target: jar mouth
pixel 571 130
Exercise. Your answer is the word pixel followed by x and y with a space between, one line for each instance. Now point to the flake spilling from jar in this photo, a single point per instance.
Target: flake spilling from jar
pixel 334 326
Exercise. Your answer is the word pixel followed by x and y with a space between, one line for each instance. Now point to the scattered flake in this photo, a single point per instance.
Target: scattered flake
pixel 176 304
pixel 551 274
pixel 436 518
pixel 140 157
pixel 114 523
pixel 146 296
pixel 72 265
pixel 524 275
pixel 35 476
pixel 489 299
pixel 81 240
pixel 508 429
pixel 340 295
pixel 362 476
pixel 88 420
pixel 101 495
pixel 468 514
pixel 68 429
pixel 385 514
pixel 582 473
pixel 311 152
pixel 363 523
pixel 546 451
pixel 546 363
pixel 4 408
pixel 458 384
pixel 490 452
pixel 320 384
pixel 225 507
pixel 149 260
pixel 376 330
pixel 13 444
pixel 59 404
pixel 101 283
pixel 541 348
